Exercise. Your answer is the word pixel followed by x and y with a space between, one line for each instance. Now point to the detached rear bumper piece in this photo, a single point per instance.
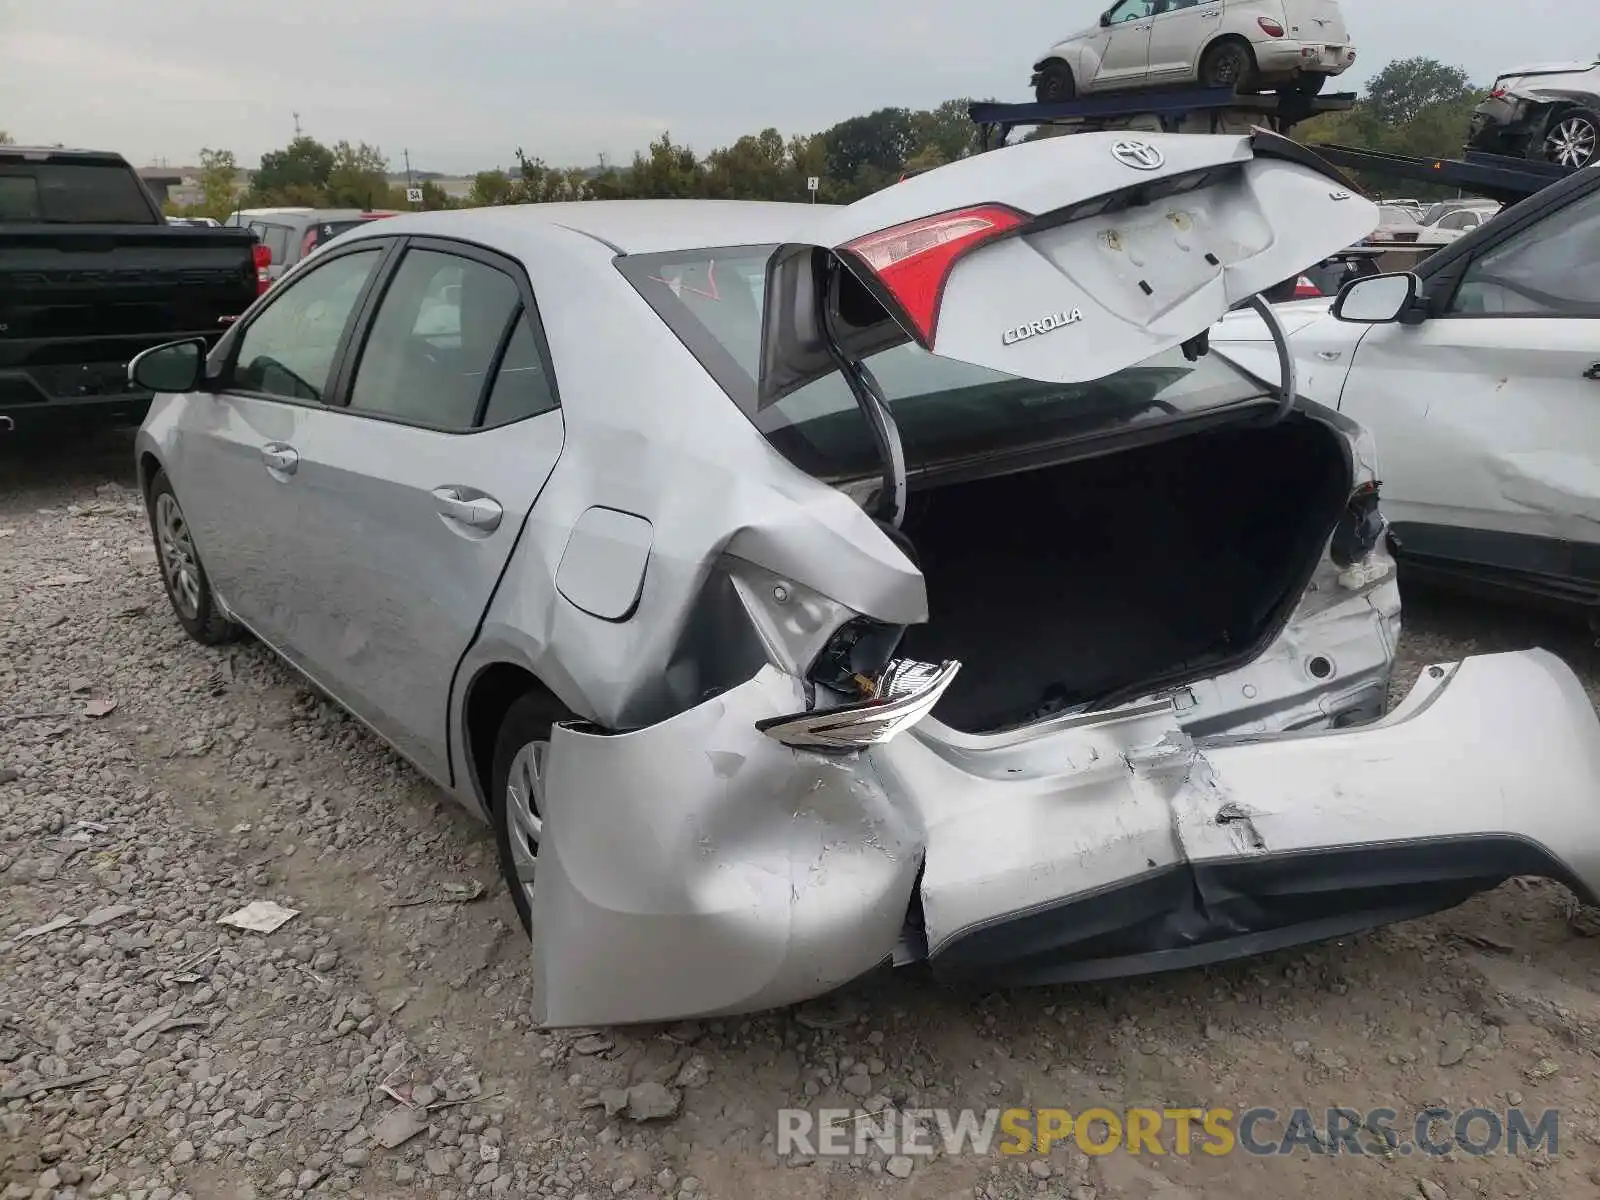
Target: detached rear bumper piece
pixel 1221 848
pixel 700 866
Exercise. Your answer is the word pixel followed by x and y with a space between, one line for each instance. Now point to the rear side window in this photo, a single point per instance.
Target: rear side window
pixel 73 194
pixel 946 410
pixel 522 387
pixel 444 323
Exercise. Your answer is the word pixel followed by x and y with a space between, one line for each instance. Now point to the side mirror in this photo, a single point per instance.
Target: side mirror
pixel 1377 299
pixel 1105 20
pixel 174 367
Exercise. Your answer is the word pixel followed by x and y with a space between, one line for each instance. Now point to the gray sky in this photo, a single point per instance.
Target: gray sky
pixel 462 83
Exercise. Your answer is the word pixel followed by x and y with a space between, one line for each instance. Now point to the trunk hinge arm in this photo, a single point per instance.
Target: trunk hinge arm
pixel 1288 383
pixel 891 501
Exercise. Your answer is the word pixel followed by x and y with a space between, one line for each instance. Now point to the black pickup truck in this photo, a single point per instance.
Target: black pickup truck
pixel 91 273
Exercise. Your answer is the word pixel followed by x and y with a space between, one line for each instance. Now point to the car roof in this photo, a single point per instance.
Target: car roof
pixel 64 154
pixel 1549 68
pixel 628 226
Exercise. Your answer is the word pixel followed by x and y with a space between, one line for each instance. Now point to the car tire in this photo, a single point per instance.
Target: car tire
pixel 1056 84
pixel 1228 63
pixel 1577 129
pixel 183 576
pixel 1310 83
pixel 521 750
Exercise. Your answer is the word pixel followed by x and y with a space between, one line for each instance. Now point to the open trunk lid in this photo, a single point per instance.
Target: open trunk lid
pixel 1063 260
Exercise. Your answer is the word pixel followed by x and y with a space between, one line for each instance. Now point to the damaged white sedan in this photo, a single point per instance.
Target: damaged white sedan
pixel 800 590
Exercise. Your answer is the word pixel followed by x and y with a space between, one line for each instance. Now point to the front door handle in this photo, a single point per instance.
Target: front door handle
pixel 280 457
pixel 477 512
pixel 1593 372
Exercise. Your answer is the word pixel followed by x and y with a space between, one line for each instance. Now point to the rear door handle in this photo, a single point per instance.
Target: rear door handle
pixel 280 457
pixel 478 512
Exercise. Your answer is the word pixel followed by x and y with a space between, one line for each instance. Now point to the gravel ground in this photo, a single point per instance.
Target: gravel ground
pixel 147 1052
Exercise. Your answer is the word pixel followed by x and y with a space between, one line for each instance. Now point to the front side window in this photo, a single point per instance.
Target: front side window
pixel 946 410
pixel 441 324
pixel 1548 269
pixel 289 348
pixel 1130 10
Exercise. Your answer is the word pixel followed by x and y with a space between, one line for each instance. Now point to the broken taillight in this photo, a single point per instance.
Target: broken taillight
pixel 855 656
pixel 1304 289
pixel 913 261
pixel 1359 529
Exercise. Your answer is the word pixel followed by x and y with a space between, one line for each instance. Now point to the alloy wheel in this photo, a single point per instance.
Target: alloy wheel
pixel 179 564
pixel 1572 142
pixel 523 806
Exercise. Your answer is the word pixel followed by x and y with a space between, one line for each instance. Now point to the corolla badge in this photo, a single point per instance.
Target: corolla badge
pixel 1141 156
pixel 1058 320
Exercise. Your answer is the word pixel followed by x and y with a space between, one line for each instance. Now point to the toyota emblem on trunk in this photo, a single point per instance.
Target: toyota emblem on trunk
pixel 1141 156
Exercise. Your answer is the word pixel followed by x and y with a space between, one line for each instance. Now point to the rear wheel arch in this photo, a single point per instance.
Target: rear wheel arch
pixel 149 464
pixel 1215 45
pixel 489 697
pixel 1057 80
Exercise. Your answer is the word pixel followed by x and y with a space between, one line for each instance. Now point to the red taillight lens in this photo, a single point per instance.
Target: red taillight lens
pixel 914 260
pixel 308 243
pixel 1304 289
pixel 1269 27
pixel 1497 94
pixel 263 256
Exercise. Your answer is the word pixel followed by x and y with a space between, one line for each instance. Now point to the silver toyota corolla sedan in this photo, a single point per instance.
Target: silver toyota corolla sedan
pixel 801 590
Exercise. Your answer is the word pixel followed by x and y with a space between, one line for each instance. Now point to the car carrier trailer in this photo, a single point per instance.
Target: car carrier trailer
pixel 1186 110
pixel 1492 176
pixel 1222 110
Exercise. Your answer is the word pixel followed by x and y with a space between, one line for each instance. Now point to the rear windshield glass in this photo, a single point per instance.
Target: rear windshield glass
pixel 947 411
pixel 73 194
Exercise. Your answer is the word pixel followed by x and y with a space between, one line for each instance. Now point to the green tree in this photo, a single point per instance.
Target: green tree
pixel 490 187
pixel 808 158
pixel 753 168
pixel 608 183
pixel 297 174
pixel 1403 90
pixel 219 184
pixel 1415 107
pixel 434 197
pixel 357 176
pixel 668 171
pixel 942 135
pixel 869 151
pixel 539 183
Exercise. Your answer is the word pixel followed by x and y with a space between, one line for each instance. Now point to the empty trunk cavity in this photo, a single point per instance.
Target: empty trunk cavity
pixel 1103 579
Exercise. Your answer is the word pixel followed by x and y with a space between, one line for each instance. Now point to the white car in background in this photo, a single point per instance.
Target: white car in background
pixel 1248 45
pixel 1479 377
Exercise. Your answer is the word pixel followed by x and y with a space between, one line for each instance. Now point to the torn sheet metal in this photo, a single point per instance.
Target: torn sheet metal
pixel 750 875
pixel 1248 844
pixel 1085 847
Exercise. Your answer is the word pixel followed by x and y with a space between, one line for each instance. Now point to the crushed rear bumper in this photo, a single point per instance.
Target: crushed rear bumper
pixel 699 867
